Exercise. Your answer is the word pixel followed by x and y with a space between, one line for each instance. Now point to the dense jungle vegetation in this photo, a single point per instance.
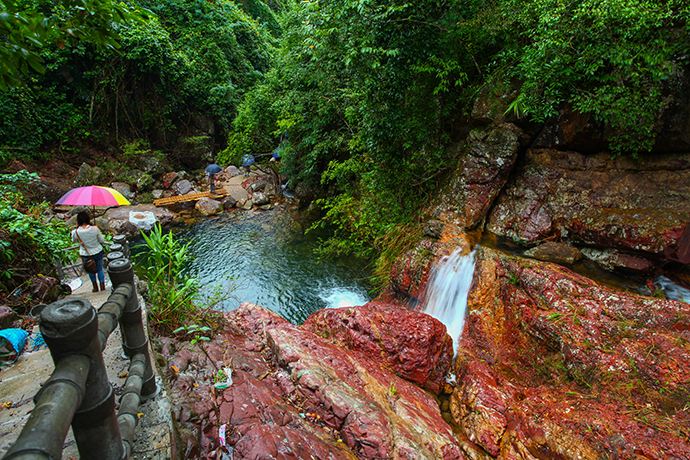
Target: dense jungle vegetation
pixel 363 96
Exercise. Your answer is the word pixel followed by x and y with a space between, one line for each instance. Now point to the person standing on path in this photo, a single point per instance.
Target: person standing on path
pixel 91 242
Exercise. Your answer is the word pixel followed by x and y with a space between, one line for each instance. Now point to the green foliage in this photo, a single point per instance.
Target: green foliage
pixel 138 148
pixel 361 89
pixel 171 292
pixel 28 26
pixel 30 242
pixel 610 59
pixel 195 332
pixel 395 243
pixel 179 68
pixel 368 92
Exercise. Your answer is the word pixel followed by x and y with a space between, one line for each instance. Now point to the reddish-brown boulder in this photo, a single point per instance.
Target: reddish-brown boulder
pixel 620 203
pixel 553 365
pixel 412 344
pixel 410 272
pixel 553 251
pixel 487 157
pixel 295 395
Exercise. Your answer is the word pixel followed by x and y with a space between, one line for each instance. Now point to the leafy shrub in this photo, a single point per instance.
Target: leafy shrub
pixel 150 70
pixel 171 292
pixel 162 262
pixel 609 59
pixel 30 242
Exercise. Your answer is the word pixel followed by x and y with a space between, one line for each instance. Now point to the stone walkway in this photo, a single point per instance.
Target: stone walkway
pixel 20 382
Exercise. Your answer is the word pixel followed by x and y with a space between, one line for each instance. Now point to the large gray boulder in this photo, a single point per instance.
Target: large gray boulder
pixel 260 199
pixel 88 175
pixel 124 189
pixel 208 207
pixel 232 171
pixel 182 187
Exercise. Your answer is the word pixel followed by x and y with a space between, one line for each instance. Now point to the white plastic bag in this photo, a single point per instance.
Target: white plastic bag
pixel 144 220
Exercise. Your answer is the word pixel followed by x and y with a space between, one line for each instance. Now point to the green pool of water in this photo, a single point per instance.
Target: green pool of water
pixel 264 258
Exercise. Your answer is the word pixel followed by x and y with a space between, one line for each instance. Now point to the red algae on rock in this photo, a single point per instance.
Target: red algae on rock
pixel 296 395
pixel 413 345
pixel 553 365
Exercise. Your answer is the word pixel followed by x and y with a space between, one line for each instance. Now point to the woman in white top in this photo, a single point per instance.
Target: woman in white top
pixel 91 242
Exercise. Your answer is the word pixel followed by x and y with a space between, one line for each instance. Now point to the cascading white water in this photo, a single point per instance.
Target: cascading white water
pixel 447 291
pixel 672 290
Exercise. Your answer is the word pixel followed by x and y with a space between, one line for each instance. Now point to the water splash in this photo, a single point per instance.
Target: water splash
pixel 446 295
pixel 342 297
pixel 672 290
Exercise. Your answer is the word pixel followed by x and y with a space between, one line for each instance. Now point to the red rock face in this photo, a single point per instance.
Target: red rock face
pixel 295 395
pixel 410 272
pixel 553 365
pixel 412 344
pixel 488 157
pixel 598 201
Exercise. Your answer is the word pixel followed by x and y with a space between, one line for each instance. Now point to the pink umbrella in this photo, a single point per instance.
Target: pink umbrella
pixel 93 195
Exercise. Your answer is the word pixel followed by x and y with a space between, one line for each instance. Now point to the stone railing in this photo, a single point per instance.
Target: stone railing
pixel 78 392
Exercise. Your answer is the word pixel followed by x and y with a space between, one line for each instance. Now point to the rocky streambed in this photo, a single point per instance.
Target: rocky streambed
pixel 550 365
pixel 551 362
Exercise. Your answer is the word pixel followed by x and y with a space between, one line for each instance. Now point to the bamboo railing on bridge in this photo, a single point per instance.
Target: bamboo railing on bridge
pixel 78 392
pixel 188 197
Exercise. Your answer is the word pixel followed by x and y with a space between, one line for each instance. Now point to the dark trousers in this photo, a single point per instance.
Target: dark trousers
pixel 99 267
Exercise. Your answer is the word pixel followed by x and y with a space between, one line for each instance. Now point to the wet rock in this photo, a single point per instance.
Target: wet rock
pixel 118 218
pixel 232 171
pixel 7 316
pixel 247 205
pixel 260 199
pixel 88 175
pixel 43 289
pixel 491 104
pixel 294 394
pixel 680 250
pixel 597 201
pixel 229 202
pixel 551 362
pixel 487 157
pixel 124 189
pixel 183 187
pixel 169 178
pixel 258 186
pixel 572 130
pixel 412 344
pixel 208 207
pixel 614 260
pixel 433 229
pixel 552 251
pixel 410 271
pixel 153 163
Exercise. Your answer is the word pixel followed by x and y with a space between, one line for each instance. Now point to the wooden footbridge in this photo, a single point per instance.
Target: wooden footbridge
pixel 188 197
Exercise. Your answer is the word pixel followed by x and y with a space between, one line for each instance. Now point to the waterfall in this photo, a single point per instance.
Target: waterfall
pixel 672 290
pixel 447 291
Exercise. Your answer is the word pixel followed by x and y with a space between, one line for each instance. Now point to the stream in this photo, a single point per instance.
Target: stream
pixel 264 258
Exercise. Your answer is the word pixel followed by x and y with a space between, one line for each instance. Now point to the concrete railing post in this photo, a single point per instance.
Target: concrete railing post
pixel 122 241
pixel 134 338
pixel 70 327
pixel 114 255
